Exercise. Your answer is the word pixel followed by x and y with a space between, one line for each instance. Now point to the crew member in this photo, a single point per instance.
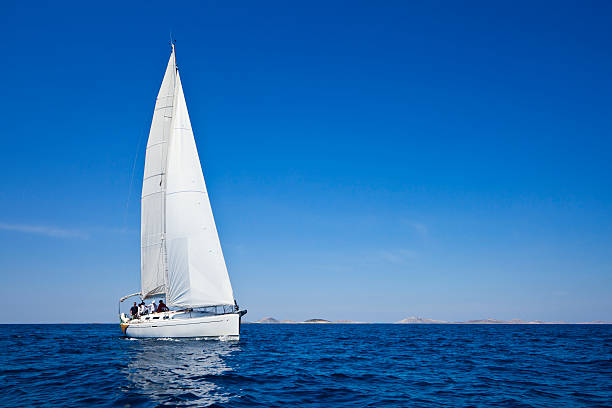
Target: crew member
pixel 134 311
pixel 142 309
pixel 162 307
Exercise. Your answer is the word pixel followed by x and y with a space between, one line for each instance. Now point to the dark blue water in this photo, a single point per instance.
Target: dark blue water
pixel 310 365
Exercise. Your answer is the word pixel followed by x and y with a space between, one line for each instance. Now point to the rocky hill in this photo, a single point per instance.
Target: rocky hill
pixel 420 320
pixel 268 320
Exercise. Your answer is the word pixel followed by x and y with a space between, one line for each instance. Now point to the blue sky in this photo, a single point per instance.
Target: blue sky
pixel 365 161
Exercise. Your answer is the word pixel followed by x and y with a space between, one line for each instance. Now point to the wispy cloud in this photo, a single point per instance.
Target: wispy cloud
pixel 397 255
pixel 46 230
pixel 113 230
pixel 420 228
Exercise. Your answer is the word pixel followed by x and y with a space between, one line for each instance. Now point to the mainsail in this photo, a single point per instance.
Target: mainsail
pixel 181 253
pixel 153 215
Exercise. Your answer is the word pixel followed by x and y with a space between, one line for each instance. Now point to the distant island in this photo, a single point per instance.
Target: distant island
pixel 421 320
pixel 315 321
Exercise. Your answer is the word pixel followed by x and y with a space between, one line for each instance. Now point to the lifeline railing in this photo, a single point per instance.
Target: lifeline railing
pixel 213 310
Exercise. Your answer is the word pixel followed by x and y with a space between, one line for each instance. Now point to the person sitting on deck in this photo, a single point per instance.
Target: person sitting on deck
pixel 152 307
pixel 142 309
pixel 134 311
pixel 162 307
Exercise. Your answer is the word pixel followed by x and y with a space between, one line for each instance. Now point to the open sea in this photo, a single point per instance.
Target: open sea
pixel 316 365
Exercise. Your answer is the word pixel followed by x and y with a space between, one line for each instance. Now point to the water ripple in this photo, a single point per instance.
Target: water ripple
pixel 310 365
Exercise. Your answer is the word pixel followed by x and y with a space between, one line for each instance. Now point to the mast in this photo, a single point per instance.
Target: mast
pixel 165 247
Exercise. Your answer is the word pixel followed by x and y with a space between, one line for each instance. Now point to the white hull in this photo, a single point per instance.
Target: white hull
pixel 184 324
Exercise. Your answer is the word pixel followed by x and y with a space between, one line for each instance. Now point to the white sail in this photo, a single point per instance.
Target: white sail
pixel 197 274
pixel 153 254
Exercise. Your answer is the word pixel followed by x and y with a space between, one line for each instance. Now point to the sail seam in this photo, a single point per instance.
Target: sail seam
pixel 186 191
pixel 149 195
pixel 156 144
pixel 154 175
pixel 151 245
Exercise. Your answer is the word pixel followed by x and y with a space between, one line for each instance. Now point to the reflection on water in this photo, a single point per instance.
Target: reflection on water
pixel 179 371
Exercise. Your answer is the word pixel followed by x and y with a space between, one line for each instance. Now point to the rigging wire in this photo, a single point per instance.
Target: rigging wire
pixel 131 185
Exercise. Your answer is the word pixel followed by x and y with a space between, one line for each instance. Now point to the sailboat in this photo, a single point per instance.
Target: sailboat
pixel 181 256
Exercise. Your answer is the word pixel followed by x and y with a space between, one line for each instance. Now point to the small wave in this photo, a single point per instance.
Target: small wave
pixel 228 338
pixel 297 365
